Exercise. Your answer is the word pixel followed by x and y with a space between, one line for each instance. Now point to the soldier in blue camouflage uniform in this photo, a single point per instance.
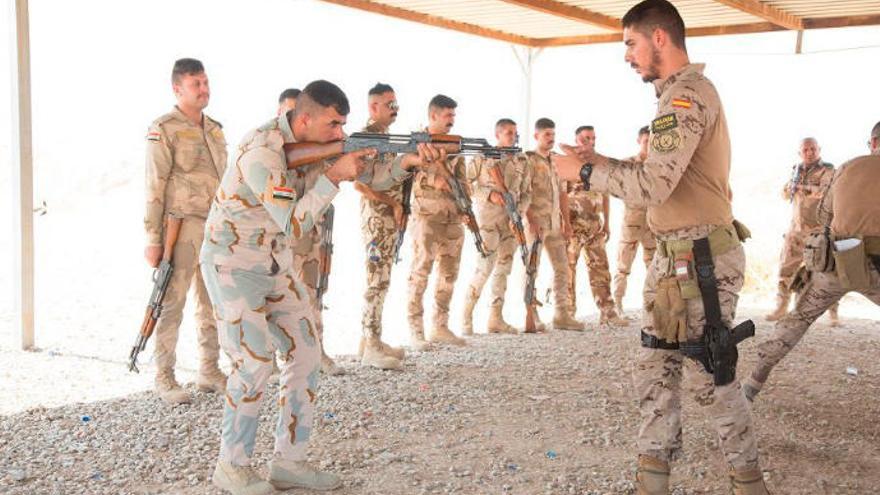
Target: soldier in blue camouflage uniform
pixel 260 305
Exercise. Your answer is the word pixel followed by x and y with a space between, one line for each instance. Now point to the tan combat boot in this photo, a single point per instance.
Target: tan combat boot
pixel 748 482
pixel 610 317
pixel 284 475
pixel 496 322
pixel 618 307
pixel 441 334
pixel 329 366
pixel 467 317
pixel 168 388
pixel 781 307
pixel 417 335
pixel 563 320
pixel 240 480
pixel 387 349
pixel 652 476
pixel 375 357
pixel 211 379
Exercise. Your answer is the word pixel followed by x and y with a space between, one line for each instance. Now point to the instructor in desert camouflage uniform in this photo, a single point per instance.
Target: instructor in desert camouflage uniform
pixel 186 156
pixel 809 179
pixel 849 209
pixel 684 182
pixel 495 226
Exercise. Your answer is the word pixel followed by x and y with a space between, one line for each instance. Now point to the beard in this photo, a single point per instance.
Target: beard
pixel 652 72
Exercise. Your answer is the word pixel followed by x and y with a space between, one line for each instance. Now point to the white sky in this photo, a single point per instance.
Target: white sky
pixel 101 73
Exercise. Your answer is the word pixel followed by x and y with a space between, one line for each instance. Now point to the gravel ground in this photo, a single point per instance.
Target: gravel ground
pixel 548 414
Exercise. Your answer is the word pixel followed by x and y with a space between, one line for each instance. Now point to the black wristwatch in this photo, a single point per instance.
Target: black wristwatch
pixel 586 172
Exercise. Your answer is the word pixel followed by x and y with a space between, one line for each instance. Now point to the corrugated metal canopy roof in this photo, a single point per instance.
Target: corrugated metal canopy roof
pixel 541 23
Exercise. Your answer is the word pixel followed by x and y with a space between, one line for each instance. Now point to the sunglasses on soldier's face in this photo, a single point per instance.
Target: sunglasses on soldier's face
pixel 393 106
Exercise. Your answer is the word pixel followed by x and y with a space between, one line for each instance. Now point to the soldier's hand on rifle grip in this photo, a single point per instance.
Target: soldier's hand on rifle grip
pixel 349 166
pixel 153 255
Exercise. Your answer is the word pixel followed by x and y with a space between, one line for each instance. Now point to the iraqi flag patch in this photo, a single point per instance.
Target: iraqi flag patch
pixel 282 193
pixel 154 136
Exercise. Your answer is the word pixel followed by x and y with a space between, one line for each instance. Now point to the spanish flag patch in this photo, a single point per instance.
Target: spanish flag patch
pixel 282 193
pixel 681 102
pixel 154 136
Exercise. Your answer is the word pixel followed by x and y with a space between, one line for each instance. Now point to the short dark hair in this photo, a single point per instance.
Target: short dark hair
pixel 324 94
pixel 544 123
pixel 875 132
pixel 649 15
pixel 583 128
pixel 644 130
pixel 442 101
pixel 292 93
pixel 380 89
pixel 185 66
pixel 503 122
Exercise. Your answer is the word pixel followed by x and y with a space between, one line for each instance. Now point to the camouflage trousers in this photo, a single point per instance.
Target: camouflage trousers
pixel 379 233
pixel 258 314
pixel 307 269
pixel 554 246
pixel 440 243
pixel 658 374
pixel 186 274
pixel 821 292
pixel 500 246
pixel 592 244
pixel 790 260
pixel 635 231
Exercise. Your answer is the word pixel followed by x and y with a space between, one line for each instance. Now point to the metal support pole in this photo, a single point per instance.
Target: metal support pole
pixel 800 42
pixel 526 62
pixel 22 176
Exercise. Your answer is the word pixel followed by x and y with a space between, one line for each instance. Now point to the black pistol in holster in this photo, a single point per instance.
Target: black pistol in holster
pixel 716 350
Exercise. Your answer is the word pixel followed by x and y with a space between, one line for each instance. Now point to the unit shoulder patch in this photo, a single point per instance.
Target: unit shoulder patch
pixel 664 123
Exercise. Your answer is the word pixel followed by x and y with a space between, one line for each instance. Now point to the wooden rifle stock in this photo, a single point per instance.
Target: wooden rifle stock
pixel 299 154
pixel 161 278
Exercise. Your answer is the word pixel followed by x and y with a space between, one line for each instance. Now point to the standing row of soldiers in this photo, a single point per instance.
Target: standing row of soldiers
pixel 253 229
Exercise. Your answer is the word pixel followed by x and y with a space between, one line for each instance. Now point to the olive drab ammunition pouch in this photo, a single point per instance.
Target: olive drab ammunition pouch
pixel 716 348
pixel 817 252
pixel 670 311
pixel 852 265
pixel 742 232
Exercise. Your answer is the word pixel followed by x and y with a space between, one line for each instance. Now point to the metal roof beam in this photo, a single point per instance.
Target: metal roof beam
pixel 431 20
pixel 570 12
pixel 767 12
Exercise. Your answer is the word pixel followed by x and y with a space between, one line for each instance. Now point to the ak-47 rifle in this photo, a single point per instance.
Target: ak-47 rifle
pixel 464 205
pixel 530 297
pixel 326 256
pixel 406 203
pixel 304 153
pixel 161 278
pixel 516 223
